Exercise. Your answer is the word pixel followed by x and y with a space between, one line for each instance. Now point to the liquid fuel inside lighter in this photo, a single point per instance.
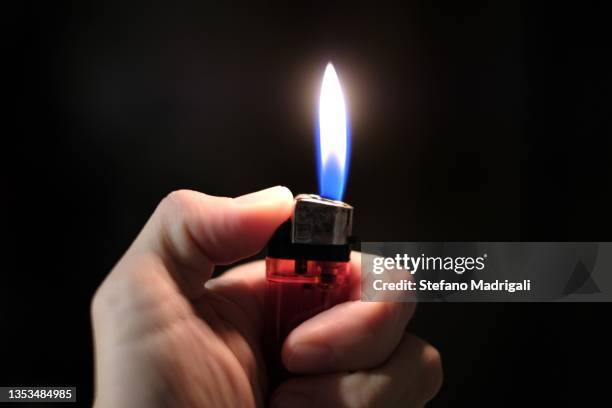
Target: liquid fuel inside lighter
pixel 307 270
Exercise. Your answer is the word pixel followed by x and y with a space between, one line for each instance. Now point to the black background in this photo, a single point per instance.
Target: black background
pixel 470 121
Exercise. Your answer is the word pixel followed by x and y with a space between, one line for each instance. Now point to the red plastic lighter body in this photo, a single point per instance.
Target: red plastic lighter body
pixel 296 291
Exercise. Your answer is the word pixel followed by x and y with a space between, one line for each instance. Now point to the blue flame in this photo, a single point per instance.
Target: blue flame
pixel 333 174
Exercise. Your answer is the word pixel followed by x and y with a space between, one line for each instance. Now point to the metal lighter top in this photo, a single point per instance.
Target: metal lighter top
pixel 319 229
pixel 321 221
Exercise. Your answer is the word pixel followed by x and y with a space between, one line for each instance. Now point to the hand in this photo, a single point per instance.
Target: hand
pixel 168 335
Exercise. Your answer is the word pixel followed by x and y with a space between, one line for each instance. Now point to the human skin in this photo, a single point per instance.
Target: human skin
pixel 167 335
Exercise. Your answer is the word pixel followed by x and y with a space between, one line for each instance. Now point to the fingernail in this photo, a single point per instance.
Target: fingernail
pixel 308 357
pixel 272 193
pixel 292 399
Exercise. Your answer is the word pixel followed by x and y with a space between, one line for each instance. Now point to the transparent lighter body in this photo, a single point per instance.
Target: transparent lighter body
pixel 296 291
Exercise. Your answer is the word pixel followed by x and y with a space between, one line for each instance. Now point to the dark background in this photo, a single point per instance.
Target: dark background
pixel 470 121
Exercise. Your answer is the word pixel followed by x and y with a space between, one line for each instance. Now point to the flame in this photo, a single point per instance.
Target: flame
pixel 333 141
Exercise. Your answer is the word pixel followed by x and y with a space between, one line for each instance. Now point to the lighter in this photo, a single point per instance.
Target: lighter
pixel 307 270
pixel 307 267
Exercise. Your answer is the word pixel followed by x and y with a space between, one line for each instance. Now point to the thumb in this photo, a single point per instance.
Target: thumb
pixel 190 232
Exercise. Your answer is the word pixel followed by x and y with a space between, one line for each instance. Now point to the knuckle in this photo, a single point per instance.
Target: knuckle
pixel 94 305
pixel 433 374
pixel 361 391
pixel 177 210
pixel 178 201
pixel 98 303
